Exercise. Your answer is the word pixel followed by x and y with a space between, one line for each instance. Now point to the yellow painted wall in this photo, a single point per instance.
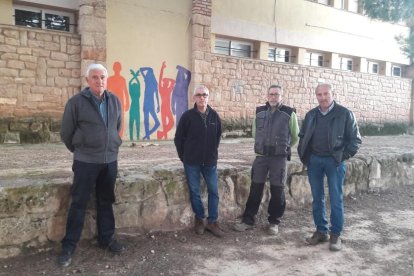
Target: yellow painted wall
pixel 144 33
pixel 6 12
pixel 306 24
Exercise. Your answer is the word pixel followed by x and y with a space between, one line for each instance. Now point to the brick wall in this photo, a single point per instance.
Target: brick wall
pixel 39 71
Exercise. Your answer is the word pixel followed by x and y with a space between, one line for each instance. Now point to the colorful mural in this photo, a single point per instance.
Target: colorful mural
pixel 117 85
pixel 173 93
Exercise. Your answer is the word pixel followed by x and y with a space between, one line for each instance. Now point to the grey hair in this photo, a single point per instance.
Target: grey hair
pixel 201 86
pixel 322 84
pixel 275 86
pixel 95 66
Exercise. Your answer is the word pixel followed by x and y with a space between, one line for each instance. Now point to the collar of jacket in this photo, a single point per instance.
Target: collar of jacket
pixel 196 109
pixel 88 93
pixel 277 106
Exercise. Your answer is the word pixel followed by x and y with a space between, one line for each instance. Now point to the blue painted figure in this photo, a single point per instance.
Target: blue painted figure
pixel 151 90
pixel 179 100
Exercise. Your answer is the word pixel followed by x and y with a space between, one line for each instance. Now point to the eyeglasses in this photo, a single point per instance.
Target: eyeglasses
pixel 273 95
pixel 204 95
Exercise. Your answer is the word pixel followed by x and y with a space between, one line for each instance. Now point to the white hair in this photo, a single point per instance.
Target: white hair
pixel 95 66
pixel 201 86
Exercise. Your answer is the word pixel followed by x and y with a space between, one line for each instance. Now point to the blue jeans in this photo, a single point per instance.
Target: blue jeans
pixel 89 177
pixel 209 173
pixel 318 168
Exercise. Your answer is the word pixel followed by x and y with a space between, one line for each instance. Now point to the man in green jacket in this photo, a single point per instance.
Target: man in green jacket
pixel 275 130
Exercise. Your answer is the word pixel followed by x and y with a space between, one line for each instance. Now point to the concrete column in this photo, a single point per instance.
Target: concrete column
pixel 263 50
pixel 300 56
pixel 335 61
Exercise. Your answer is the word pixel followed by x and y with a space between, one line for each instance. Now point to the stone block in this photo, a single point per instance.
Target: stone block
pixel 11 33
pixel 59 56
pixel 52 46
pixel 12 138
pixel 12 41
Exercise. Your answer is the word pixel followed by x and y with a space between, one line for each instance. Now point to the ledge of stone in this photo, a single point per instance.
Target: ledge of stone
pixel 151 191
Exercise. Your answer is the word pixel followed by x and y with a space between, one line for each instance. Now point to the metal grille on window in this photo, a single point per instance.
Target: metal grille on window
pixel 28 19
pixel 57 22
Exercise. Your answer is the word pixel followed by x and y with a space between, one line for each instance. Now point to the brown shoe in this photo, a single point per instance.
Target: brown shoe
pixel 199 226
pixel 215 229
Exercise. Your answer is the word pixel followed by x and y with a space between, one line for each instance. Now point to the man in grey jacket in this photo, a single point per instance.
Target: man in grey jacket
pixel 90 126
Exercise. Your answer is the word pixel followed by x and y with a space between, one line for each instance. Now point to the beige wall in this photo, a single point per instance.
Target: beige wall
pixel 144 34
pixel 305 24
pixel 6 17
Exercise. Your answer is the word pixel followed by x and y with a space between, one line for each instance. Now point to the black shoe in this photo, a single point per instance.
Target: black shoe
pixel 317 237
pixel 114 246
pixel 335 243
pixel 65 258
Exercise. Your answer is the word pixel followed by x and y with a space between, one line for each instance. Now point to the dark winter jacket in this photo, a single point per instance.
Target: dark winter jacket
pixel 84 131
pixel 196 140
pixel 344 138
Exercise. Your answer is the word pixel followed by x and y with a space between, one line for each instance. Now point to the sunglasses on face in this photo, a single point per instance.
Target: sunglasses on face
pixel 204 95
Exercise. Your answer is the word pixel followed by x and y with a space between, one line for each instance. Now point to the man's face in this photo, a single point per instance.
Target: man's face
pixel 324 96
pixel 201 98
pixel 274 96
pixel 97 81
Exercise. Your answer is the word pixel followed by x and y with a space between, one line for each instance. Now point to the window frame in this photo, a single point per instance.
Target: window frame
pixel 231 50
pixel 344 63
pixel 371 65
pixel 277 57
pixel 319 59
pixel 43 12
pixel 393 67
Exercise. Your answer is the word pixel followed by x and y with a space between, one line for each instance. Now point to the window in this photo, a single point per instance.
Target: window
pixel 346 63
pixel 233 48
pixel 354 6
pixel 396 71
pixel 373 67
pixel 279 54
pixel 314 59
pixel 43 19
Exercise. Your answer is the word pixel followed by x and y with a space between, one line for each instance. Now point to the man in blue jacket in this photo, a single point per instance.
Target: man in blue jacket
pixel 197 139
pixel 90 126
pixel 329 135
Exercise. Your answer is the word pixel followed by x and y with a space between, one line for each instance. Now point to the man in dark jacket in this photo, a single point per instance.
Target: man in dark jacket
pixel 329 135
pixel 275 130
pixel 90 126
pixel 197 139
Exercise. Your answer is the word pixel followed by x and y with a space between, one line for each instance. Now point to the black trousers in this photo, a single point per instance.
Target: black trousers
pixel 275 166
pixel 88 176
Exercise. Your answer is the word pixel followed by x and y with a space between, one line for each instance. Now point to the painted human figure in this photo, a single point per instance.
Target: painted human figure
pixel 165 86
pixel 151 90
pixel 134 114
pixel 117 85
pixel 179 99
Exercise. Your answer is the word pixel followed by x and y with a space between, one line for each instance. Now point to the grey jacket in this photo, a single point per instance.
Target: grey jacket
pixel 84 132
pixel 344 138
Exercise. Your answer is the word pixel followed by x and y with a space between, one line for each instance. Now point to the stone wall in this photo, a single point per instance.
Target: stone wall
pixel 238 85
pixel 39 71
pixel 152 195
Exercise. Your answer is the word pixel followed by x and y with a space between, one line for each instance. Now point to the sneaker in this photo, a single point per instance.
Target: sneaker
pixel 114 246
pixel 65 258
pixel 241 226
pixel 199 226
pixel 335 243
pixel 215 229
pixel 317 237
pixel 273 229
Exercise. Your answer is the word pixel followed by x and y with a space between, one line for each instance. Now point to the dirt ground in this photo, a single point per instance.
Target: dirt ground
pixel 378 240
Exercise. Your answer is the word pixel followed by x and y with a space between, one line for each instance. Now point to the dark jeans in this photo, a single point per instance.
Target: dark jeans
pixel 275 166
pixel 88 176
pixel 209 173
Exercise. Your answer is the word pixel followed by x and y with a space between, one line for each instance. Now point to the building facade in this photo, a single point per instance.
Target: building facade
pixel 155 52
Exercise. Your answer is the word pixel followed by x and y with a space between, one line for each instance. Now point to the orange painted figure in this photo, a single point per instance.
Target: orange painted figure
pixel 117 85
pixel 165 88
